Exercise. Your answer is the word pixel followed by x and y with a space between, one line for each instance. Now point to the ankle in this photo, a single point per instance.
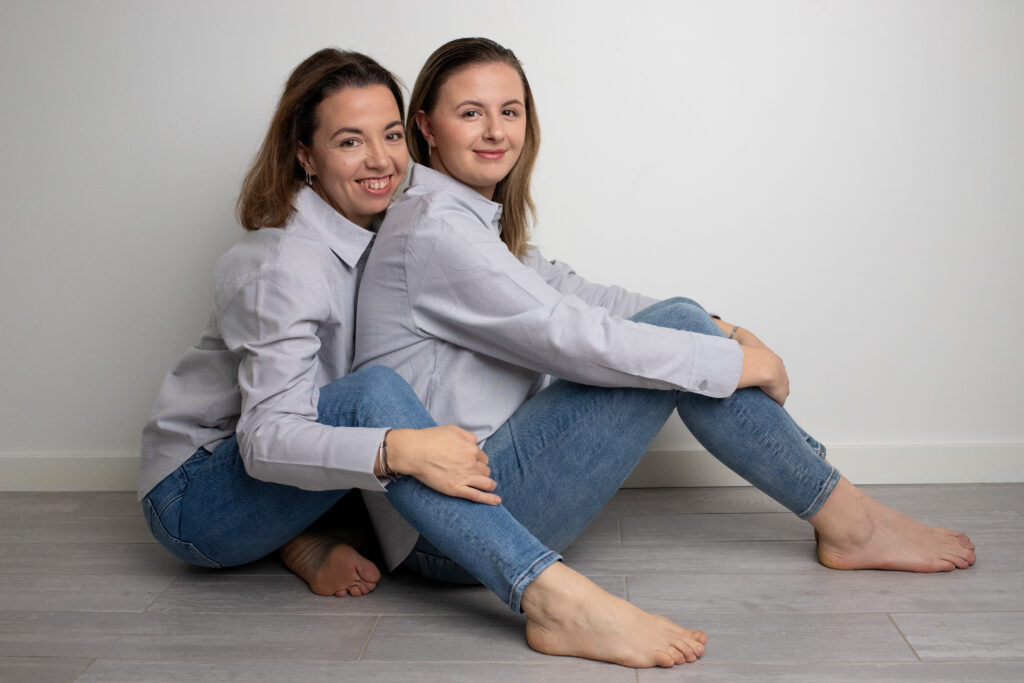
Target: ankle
pixel 548 592
pixel 846 516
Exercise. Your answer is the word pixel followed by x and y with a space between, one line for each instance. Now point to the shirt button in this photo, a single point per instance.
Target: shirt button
pixel 703 385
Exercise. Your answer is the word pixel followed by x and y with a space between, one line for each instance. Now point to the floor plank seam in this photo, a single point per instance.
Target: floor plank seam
pixel 162 593
pixel 904 636
pixel 366 644
pixel 86 669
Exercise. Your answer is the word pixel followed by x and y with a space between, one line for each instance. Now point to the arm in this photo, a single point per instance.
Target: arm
pixel 272 322
pixel 761 366
pixel 563 278
pixel 468 289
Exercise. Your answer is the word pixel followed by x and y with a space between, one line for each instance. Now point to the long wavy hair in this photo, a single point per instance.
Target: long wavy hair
pixel 513 191
pixel 275 175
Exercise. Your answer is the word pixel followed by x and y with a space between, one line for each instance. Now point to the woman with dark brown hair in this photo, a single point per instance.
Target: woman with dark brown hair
pixel 253 436
pixel 456 300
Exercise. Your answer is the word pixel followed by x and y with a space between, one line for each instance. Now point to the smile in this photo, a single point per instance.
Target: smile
pixel 490 154
pixel 376 185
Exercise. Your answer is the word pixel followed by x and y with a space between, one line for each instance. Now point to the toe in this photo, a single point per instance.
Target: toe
pixel 664 659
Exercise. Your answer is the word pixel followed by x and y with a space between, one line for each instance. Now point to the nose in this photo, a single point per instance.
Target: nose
pixel 495 131
pixel 376 157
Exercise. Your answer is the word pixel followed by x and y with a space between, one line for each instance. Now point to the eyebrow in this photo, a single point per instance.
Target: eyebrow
pixel 359 131
pixel 481 104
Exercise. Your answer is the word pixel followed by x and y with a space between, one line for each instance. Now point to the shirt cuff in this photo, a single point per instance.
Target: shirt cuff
pixel 720 361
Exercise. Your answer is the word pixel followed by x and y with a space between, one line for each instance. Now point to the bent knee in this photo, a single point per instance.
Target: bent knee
pixel 683 300
pixel 681 314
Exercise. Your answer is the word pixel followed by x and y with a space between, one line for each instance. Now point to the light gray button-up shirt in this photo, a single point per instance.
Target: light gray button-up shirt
pixel 282 326
pixel 473 329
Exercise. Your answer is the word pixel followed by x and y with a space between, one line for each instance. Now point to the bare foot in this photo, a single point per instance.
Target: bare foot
pixel 330 567
pixel 855 531
pixel 567 614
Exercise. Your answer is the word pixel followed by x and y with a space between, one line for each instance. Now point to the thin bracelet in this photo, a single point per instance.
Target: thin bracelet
pixel 382 457
pixel 733 331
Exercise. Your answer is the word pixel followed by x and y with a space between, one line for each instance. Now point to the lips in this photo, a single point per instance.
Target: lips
pixel 376 185
pixel 490 154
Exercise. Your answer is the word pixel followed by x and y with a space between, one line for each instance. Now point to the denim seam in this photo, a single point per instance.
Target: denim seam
pixel 479 542
pixel 826 491
pixel 739 412
pixel 826 487
pixel 155 520
pixel 167 503
pixel 524 580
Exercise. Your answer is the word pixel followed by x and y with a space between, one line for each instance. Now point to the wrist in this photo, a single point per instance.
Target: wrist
pixel 756 370
pixel 395 447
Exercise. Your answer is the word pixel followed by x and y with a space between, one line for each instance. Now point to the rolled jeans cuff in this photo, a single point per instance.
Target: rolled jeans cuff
pixel 520 584
pixel 826 491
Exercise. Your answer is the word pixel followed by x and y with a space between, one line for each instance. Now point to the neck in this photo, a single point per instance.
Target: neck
pixel 487 191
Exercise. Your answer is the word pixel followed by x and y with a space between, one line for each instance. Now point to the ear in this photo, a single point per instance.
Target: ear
pixel 423 123
pixel 305 159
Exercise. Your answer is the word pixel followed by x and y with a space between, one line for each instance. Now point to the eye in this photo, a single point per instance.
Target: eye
pixel 471 114
pixel 349 142
pixel 394 136
pixel 511 113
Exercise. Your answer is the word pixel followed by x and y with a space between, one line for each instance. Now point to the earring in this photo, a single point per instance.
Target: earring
pixel 309 180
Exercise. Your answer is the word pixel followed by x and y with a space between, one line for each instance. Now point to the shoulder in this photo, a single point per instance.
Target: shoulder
pixel 281 260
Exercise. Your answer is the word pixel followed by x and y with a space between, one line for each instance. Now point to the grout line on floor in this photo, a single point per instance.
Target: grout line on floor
pixel 373 629
pixel 904 636
pixel 85 669
pixel 162 593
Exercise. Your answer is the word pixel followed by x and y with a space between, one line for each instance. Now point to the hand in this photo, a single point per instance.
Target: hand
pixel 744 336
pixel 447 459
pixel 762 368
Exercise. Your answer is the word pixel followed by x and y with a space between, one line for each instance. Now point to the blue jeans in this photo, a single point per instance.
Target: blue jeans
pixel 566 451
pixel 557 461
pixel 211 513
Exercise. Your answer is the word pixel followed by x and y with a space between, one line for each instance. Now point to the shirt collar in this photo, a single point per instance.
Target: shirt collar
pixel 346 239
pixel 424 179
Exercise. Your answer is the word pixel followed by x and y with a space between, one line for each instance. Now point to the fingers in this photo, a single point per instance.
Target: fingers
pixel 482 483
pixel 478 496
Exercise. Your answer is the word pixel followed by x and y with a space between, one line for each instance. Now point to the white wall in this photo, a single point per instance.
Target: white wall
pixel 844 178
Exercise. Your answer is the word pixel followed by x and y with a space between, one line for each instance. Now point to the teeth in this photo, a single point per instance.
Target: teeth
pixel 376 183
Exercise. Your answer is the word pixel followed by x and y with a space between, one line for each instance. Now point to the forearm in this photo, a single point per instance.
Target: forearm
pixel 741 334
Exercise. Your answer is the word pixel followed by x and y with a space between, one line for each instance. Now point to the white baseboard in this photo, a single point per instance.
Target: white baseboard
pixel 68 471
pixel 986 463
pixel 881 464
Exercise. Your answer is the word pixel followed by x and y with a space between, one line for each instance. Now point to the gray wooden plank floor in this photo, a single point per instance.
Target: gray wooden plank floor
pixel 87 595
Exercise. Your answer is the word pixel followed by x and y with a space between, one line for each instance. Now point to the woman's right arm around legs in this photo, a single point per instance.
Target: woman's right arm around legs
pixel 763 368
pixel 446 458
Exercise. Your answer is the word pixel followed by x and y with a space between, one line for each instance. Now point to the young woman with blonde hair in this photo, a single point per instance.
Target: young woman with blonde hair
pixel 463 308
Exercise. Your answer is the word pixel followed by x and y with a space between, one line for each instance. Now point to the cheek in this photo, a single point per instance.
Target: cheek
pixel 340 169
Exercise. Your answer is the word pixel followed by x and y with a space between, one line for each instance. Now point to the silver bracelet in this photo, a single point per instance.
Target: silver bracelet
pixel 382 457
pixel 733 331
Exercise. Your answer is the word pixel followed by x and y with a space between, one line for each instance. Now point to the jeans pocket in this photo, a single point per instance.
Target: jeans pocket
pixel 179 548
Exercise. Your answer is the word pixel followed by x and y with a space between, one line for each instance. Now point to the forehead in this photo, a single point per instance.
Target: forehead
pixel 495 81
pixel 358 107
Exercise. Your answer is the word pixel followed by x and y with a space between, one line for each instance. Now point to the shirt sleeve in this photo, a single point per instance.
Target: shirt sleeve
pixel 562 277
pixel 271 322
pixel 468 289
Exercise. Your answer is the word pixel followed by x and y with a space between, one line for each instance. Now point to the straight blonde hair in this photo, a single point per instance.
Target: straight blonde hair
pixel 513 191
